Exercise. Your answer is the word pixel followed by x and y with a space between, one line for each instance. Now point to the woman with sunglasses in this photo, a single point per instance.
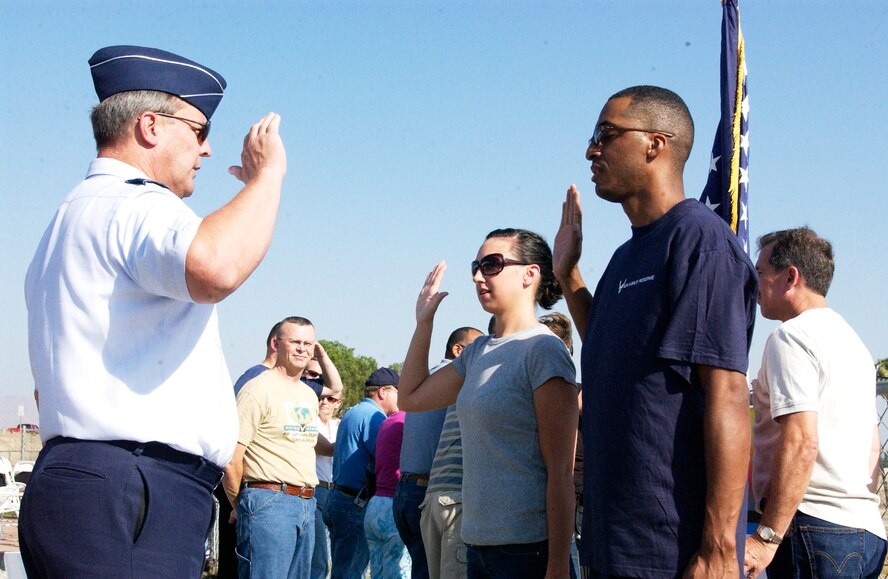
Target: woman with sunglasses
pixel 517 404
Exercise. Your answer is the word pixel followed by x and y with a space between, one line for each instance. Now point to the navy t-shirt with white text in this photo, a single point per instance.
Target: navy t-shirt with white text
pixel 681 292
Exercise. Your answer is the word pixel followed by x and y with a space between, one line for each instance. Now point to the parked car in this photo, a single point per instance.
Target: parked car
pixel 27 427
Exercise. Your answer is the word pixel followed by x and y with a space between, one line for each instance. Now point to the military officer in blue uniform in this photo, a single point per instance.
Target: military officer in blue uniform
pixel 136 407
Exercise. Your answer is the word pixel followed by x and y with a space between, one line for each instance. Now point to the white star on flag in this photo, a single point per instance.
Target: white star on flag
pixel 713 163
pixel 743 216
pixel 744 108
pixel 712 205
pixel 744 176
pixel 744 142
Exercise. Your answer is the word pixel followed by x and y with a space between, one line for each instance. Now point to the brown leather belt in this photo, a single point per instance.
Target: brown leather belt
pixel 421 480
pixel 325 484
pixel 294 491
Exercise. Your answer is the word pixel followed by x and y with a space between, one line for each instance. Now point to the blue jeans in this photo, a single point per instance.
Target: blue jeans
pixel 408 496
pixel 388 556
pixel 275 534
pixel 116 509
pixel 816 548
pixel 348 543
pixel 320 558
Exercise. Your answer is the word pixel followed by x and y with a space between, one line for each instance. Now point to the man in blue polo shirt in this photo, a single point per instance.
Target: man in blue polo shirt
pixel 665 351
pixel 355 450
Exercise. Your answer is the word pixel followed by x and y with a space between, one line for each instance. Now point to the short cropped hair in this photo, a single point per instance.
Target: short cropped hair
pixel 272 334
pixel 802 248
pixel 662 110
pixel 457 336
pixel 298 320
pixel 111 118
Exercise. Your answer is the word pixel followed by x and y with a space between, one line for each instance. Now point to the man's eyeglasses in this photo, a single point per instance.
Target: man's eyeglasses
pixel 604 133
pixel 492 264
pixel 330 399
pixel 311 374
pixel 202 131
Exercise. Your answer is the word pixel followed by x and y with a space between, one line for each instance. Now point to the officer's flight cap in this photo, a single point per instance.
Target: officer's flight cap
pixel 118 69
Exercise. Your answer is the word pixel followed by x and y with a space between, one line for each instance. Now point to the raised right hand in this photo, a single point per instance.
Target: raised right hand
pixel 429 297
pixel 263 150
pixel 568 245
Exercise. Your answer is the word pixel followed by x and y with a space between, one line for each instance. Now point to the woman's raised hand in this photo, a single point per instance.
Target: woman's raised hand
pixel 429 297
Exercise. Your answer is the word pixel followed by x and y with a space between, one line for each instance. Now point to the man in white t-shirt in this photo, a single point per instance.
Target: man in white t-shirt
pixel 816 432
pixel 136 408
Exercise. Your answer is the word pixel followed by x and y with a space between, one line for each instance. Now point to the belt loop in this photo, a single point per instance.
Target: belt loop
pixel 139 449
pixel 284 488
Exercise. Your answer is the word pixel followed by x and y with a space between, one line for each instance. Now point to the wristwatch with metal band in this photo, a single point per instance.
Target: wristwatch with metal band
pixel 768 535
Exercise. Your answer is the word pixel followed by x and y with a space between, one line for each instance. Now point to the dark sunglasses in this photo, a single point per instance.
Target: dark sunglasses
pixel 493 263
pixel 330 399
pixel 202 131
pixel 604 133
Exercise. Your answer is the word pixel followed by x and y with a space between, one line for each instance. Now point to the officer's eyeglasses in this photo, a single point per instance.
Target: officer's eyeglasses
pixel 202 131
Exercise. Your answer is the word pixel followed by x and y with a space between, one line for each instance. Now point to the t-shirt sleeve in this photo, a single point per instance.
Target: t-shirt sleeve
pixel 550 359
pixel 461 362
pixel 249 415
pixel 713 295
pixel 792 373
pixel 153 233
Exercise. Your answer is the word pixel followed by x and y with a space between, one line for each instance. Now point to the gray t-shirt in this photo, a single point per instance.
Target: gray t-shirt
pixel 504 481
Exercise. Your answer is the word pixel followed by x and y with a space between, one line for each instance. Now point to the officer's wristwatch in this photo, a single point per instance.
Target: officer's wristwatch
pixel 768 535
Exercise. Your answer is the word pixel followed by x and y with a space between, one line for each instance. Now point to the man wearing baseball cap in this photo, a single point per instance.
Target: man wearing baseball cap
pixel 136 406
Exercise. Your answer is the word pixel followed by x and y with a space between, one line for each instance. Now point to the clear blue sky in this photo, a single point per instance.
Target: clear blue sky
pixel 414 128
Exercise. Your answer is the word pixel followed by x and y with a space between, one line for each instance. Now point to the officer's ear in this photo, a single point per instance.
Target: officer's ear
pixel 148 128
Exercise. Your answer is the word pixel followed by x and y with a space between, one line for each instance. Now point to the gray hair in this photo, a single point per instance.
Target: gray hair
pixel 111 117
pixel 810 254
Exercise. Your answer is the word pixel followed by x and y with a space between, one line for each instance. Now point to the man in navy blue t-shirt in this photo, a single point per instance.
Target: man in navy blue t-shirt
pixel 665 352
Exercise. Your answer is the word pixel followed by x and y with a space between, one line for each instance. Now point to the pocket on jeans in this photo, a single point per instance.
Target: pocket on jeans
pixel 72 472
pixel 242 562
pixel 461 554
pixel 256 500
pixel 833 551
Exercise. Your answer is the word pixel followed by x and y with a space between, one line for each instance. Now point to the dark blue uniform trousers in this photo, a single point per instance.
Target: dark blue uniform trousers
pixel 116 509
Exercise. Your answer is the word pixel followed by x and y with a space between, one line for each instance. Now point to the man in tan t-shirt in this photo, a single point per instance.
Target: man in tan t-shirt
pixel 271 478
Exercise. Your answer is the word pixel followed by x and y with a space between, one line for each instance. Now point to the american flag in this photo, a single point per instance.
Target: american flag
pixel 726 190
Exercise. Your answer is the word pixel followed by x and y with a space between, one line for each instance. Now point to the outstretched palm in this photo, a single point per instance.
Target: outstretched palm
pixel 568 244
pixel 429 297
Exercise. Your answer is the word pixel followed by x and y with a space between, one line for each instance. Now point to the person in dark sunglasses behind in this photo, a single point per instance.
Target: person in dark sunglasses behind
pixel 516 398
pixel 328 424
